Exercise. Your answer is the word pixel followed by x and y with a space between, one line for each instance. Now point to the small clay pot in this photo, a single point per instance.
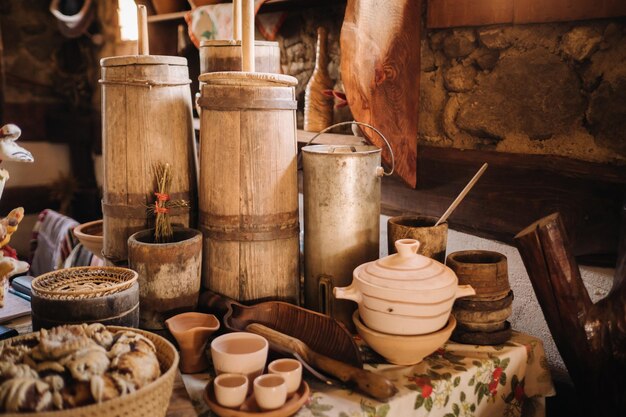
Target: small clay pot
pixel 192 331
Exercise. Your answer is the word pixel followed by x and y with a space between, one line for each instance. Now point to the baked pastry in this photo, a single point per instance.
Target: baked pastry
pixel 72 366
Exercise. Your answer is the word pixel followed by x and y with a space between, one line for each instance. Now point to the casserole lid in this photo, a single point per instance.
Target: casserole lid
pixel 407 270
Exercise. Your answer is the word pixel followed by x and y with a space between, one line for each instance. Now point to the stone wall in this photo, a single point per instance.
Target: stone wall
pixel 557 89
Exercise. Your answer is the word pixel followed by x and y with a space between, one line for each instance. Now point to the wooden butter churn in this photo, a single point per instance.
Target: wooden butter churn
pixel 248 199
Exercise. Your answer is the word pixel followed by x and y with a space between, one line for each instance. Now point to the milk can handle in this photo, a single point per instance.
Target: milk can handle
pixel 354 122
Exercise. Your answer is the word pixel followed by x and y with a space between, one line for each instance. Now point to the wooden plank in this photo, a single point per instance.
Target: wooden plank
pixel 540 11
pixel 515 191
pixel 450 13
pixel 454 13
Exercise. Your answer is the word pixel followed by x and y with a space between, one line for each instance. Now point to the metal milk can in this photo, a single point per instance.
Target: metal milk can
pixel 341 219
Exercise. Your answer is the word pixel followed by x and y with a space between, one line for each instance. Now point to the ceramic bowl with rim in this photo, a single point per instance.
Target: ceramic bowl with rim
pixel 404 350
pixel 405 293
pixel 239 353
pixel 91 236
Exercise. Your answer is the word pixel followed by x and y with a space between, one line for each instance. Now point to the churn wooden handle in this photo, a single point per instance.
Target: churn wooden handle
pixel 142 23
pixel 370 383
pixel 247 40
pixel 237 20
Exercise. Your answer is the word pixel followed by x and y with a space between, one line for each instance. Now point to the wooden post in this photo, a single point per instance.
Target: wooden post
pixel 237 20
pixel 590 337
pixel 247 40
pixel 143 45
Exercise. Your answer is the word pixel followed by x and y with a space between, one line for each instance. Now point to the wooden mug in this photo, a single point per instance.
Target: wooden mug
pixel 433 239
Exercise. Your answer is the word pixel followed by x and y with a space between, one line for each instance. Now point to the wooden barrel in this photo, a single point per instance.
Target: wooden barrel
pixel 225 55
pixel 169 274
pixel 119 309
pixel 146 120
pixel 248 199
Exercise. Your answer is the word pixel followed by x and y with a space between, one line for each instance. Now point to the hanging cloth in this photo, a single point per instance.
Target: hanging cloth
pixel 73 16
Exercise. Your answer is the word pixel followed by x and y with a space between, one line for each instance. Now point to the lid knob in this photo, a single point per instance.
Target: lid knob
pixel 407 247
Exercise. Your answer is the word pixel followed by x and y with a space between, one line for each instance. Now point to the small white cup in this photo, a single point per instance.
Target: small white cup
pixel 270 391
pixel 291 370
pixel 230 389
pixel 239 353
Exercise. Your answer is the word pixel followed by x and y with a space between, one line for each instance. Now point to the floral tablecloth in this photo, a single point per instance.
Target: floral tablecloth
pixel 458 380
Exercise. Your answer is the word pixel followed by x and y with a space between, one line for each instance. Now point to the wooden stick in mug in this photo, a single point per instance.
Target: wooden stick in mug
pixel 247 40
pixel 143 45
pixel 461 196
pixel 237 20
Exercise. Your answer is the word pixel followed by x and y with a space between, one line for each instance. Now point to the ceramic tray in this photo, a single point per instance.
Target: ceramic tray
pixel 250 408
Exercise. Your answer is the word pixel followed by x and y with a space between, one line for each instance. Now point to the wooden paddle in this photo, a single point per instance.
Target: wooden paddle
pixel 380 69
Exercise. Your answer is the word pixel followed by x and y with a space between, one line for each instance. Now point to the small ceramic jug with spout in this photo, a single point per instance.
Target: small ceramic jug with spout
pixel 192 331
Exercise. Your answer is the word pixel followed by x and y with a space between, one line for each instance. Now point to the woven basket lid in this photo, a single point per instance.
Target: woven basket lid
pixel 83 282
pixel 407 270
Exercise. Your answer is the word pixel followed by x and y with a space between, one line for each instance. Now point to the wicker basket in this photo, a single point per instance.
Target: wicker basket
pixel 83 282
pixel 149 401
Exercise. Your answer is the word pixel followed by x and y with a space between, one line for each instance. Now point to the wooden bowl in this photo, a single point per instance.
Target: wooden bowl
pixel 91 236
pixel 404 350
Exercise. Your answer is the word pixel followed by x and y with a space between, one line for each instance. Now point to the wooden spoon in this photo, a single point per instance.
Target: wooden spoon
pixel 461 196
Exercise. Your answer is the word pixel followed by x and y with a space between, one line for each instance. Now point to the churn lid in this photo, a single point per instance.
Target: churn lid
pixel 248 79
pixel 407 270
pixel 117 61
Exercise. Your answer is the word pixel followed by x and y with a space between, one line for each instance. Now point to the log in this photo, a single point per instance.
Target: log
pixel 380 67
pixel 590 337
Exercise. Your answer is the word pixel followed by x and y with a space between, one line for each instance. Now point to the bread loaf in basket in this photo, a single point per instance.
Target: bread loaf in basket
pixel 151 400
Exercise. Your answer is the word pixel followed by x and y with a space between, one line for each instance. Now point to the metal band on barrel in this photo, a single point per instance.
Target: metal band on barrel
pixel 250 227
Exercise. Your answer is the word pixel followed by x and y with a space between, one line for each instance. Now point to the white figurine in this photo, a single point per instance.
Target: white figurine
pixel 9 150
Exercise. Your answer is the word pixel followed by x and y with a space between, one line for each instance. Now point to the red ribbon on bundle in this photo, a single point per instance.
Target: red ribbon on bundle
pixel 162 197
pixel 160 210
